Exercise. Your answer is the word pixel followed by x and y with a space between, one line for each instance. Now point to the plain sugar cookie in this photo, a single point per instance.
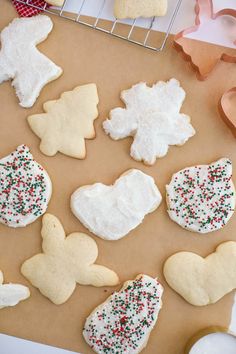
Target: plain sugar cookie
pixel 202 198
pixel 21 61
pixel 111 212
pixel 123 323
pixel 139 8
pixel 25 188
pixel 152 117
pixel 64 262
pixel 203 281
pixel 67 122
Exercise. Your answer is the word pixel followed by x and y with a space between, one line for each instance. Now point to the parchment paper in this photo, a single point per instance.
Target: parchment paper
pixel 89 56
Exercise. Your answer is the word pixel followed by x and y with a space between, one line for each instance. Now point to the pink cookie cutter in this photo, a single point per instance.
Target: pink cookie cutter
pixel 227 108
pixel 202 56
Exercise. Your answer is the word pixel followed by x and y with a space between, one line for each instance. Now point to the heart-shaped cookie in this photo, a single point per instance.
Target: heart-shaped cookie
pixel 203 281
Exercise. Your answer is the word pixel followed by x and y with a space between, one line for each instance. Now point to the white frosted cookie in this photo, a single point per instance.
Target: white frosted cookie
pixel 111 212
pixel 67 122
pixel 20 60
pixel 123 323
pixel 152 118
pixel 203 281
pixel 25 188
pixel 12 294
pixel 139 8
pixel 64 262
pixel 202 198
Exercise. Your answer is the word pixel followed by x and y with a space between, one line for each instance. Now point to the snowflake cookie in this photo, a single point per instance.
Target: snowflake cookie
pixel 202 198
pixel 152 118
pixel 123 323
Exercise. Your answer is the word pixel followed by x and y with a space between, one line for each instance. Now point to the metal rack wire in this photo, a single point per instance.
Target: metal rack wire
pixel 116 27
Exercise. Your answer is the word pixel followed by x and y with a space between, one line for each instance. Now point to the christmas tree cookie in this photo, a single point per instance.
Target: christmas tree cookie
pixel 67 122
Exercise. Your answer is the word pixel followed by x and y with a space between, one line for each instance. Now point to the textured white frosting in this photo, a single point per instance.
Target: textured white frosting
pixel 202 198
pixel 11 294
pixel 25 188
pixel 20 60
pixel 111 212
pixel 123 323
pixel 152 117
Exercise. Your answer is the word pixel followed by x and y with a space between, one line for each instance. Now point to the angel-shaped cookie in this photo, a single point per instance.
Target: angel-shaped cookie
pixel 12 294
pixel 67 122
pixel 21 61
pixel 152 117
pixel 64 262
pixel 217 28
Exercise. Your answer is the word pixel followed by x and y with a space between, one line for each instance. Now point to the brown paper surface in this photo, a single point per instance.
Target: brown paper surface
pixel 90 56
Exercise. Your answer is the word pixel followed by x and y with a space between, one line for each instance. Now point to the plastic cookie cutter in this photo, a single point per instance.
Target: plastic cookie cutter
pixel 216 28
pixel 208 339
pixel 227 108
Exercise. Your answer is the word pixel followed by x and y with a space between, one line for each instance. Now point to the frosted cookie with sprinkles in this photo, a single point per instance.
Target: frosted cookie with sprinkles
pixel 25 188
pixel 123 323
pixel 202 198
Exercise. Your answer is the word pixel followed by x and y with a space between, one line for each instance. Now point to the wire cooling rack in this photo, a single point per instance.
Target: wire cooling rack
pixel 143 32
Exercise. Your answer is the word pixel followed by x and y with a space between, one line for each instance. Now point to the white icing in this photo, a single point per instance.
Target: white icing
pixel 202 198
pixel 20 60
pixel 25 188
pixel 152 117
pixel 12 294
pixel 113 211
pixel 123 323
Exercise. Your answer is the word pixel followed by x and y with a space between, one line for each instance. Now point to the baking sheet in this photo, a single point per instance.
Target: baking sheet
pixel 89 56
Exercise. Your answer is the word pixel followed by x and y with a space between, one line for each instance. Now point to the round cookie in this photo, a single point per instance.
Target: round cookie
pixel 25 188
pixel 202 198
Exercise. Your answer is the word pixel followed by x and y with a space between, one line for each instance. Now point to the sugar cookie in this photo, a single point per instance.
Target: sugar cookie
pixel 202 198
pixel 21 61
pixel 123 323
pixel 12 294
pixel 67 122
pixel 64 262
pixel 203 281
pixel 152 118
pixel 25 188
pixel 139 8
pixel 113 211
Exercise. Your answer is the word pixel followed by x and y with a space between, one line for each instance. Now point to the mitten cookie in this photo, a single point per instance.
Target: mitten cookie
pixel 203 281
pixel 64 262
pixel 152 118
pixel 113 211
pixel 25 188
pixel 67 122
pixel 12 294
pixel 202 198
pixel 139 8
pixel 21 61
pixel 123 323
